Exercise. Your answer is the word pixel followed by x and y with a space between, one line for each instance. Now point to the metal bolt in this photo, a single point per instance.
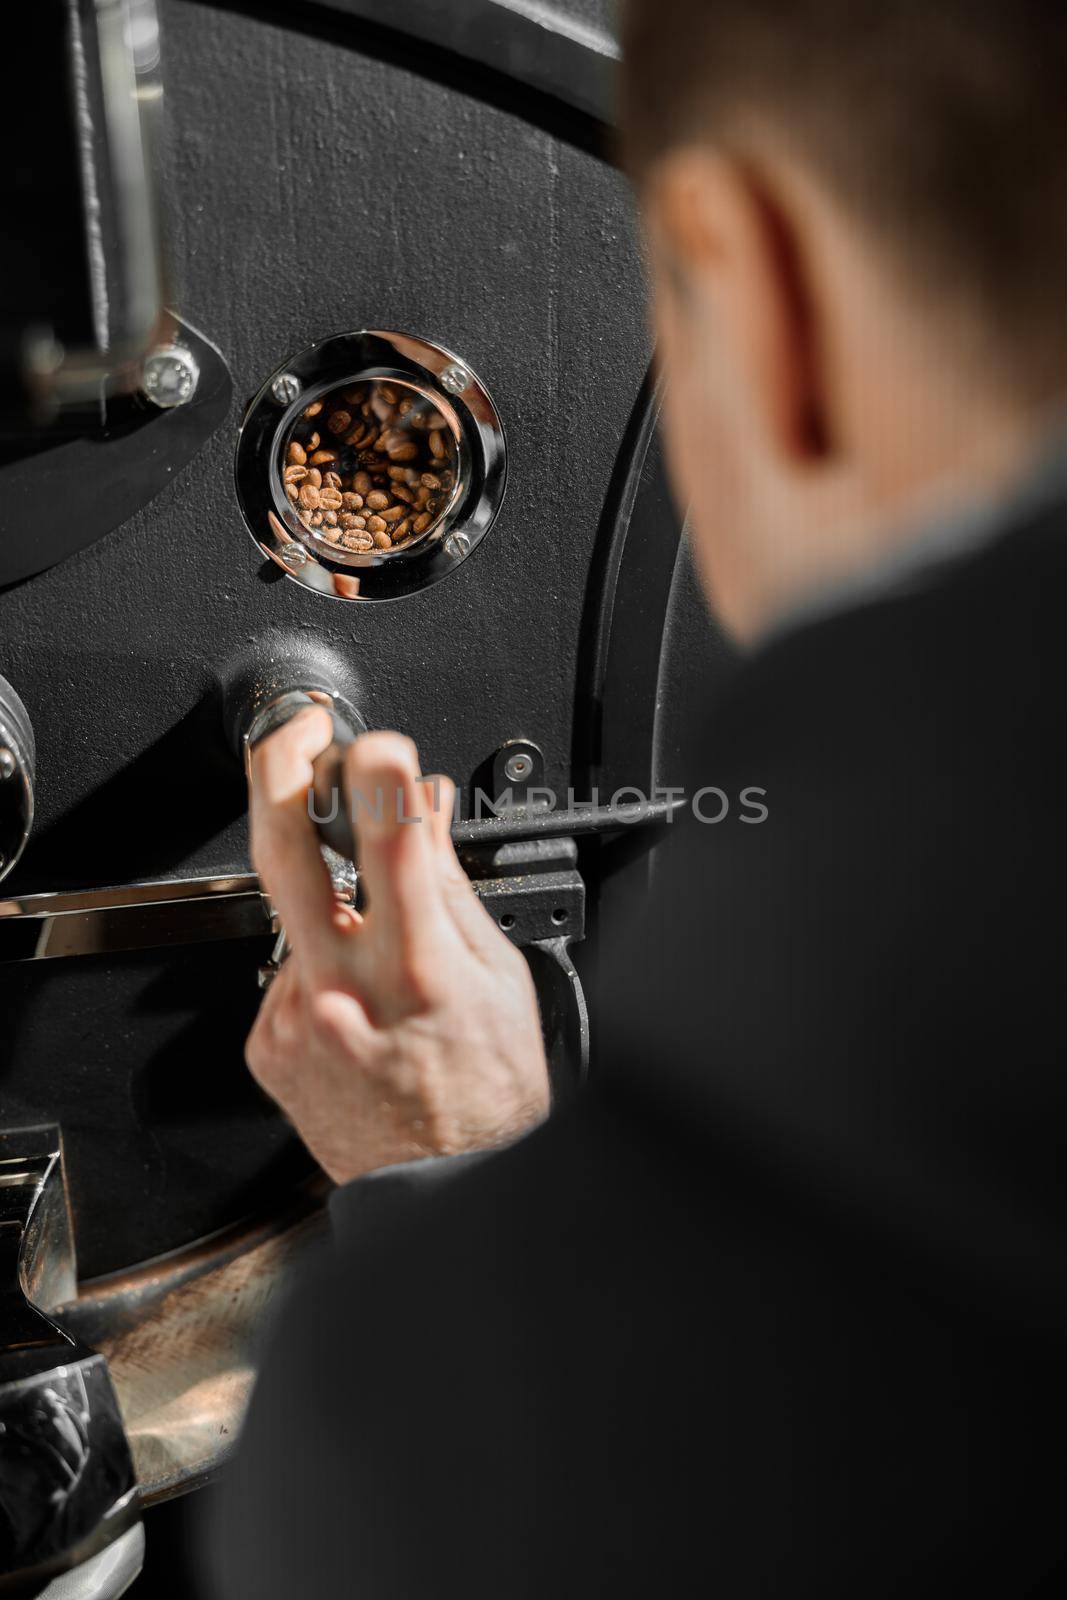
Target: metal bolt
pixel 294 555
pixel 455 378
pixel 285 388
pixel 8 763
pixel 457 545
pixel 518 767
pixel 170 377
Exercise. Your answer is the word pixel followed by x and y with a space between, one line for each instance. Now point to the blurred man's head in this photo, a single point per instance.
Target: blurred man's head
pixel 857 220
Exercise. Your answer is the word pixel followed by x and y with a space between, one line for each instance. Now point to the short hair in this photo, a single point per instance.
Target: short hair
pixel 940 124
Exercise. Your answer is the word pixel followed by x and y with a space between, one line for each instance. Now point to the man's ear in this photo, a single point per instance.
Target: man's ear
pixel 728 237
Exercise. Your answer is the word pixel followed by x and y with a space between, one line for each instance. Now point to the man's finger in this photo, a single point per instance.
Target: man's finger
pixel 469 915
pixel 397 853
pixel 285 845
pixel 439 799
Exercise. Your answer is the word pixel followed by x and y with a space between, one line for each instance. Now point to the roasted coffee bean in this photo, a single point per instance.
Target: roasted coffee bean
pixel 392 514
pixel 314 477
pixel 323 458
pixel 339 422
pixel 376 524
pixel 377 500
pixel 383 541
pixel 292 491
pixel 357 541
pixel 330 518
pixel 297 454
pixel 330 499
pixel 437 445
pixel 309 496
pixel 312 442
pixel 313 409
pixel 352 501
pixel 331 480
pixel 295 474
pixel 361 483
pixel 316 519
pixel 421 522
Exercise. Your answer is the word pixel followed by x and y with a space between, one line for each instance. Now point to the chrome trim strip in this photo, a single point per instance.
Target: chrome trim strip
pixel 136 916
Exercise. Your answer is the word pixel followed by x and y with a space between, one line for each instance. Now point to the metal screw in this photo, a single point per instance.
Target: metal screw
pixel 8 763
pixel 455 378
pixel 294 555
pixel 457 545
pixel 285 388
pixel 170 377
pixel 518 767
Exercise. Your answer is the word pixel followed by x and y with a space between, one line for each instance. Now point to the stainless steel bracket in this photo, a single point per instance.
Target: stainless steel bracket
pixel 67 1484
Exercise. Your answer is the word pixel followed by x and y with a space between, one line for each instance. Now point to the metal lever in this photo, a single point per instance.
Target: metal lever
pixel 517 824
pixel 329 811
pixel 326 803
pixel 274 679
pixel 280 676
pixel 327 797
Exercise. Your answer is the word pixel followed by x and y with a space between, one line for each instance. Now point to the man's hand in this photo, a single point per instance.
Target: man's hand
pixel 413 1030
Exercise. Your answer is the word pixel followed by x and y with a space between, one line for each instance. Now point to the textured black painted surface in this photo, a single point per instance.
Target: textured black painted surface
pixel 309 190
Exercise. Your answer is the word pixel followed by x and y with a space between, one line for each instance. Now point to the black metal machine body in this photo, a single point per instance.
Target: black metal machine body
pixel 440 168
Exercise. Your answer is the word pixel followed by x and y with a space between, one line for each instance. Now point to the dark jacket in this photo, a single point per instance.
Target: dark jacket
pixel 778 1308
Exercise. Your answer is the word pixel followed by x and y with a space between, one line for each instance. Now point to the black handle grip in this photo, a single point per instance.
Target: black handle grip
pixel 328 802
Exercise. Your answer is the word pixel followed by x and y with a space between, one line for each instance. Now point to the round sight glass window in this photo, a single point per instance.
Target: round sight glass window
pixel 370 465
pixel 369 468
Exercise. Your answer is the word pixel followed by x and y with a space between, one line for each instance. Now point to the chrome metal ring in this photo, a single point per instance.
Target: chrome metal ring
pixel 352 358
pixel 17 758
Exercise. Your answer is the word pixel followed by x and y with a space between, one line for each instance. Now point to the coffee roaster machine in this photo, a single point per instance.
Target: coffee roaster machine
pixel 240 210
